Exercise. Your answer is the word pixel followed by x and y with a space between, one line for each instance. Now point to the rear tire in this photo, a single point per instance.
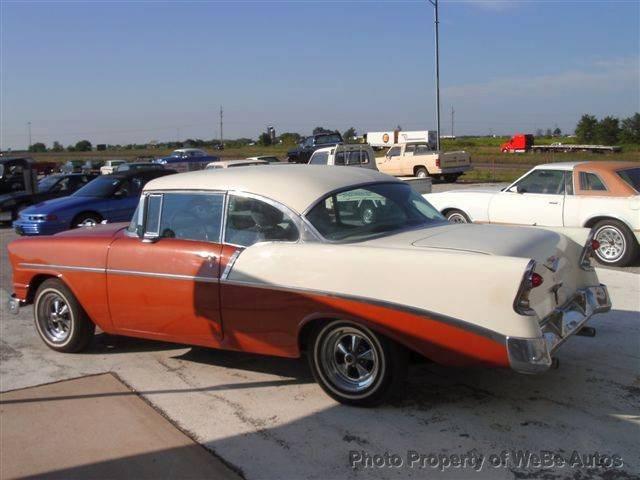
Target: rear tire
pixel 354 365
pixel 618 246
pixel 86 220
pixel 59 318
pixel 451 177
pixel 457 216
pixel 422 172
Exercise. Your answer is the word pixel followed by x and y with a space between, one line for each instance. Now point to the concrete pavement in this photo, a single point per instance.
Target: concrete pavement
pixel 95 427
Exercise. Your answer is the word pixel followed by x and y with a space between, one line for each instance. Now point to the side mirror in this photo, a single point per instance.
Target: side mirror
pixel 119 194
pixel 516 189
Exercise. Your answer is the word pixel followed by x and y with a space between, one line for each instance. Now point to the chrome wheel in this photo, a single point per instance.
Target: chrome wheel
pixel 457 218
pixel 350 359
pixel 55 318
pixel 612 243
pixel 421 174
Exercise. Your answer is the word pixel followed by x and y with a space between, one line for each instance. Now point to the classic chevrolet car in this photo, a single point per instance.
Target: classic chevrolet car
pixel 280 261
pixel 601 195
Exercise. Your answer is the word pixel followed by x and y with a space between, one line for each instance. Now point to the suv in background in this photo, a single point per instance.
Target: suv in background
pixel 302 153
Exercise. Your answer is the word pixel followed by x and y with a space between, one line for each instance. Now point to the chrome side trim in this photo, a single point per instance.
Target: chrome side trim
pixel 230 263
pixel 170 276
pixel 78 268
pixel 485 332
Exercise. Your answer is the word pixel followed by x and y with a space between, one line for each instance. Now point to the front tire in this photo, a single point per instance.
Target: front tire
pixel 618 246
pixel 59 318
pixel 355 366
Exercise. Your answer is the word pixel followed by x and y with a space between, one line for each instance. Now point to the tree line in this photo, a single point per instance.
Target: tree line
pixel 609 130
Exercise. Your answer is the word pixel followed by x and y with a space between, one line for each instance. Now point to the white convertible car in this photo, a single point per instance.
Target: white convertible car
pixel 347 264
pixel 601 195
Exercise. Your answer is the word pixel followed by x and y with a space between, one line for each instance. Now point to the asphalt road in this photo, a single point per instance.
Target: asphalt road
pixel 269 420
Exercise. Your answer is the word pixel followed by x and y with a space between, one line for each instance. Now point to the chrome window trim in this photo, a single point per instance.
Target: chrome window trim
pixel 146 219
pixel 230 263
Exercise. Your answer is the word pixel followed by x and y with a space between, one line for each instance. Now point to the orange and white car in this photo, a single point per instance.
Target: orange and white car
pixel 279 261
pixel 603 195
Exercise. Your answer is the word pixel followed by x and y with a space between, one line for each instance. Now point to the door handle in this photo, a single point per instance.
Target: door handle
pixel 554 203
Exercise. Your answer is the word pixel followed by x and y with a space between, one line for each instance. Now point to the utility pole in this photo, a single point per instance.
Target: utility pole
pixel 29 130
pixel 177 134
pixel 221 136
pixel 453 112
pixel 435 5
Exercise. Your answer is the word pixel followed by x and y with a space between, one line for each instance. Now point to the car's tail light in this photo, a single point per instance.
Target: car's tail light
pixel 437 162
pixel 530 280
pixel 589 251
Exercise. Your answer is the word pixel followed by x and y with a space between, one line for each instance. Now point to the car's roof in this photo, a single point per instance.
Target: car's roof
pixel 597 165
pixel 188 150
pixel 296 186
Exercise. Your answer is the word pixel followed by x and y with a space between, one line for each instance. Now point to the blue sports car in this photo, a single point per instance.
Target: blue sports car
pixel 109 197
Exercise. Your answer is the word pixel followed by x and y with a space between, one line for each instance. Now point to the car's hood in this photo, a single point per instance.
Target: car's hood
pixel 480 239
pixel 51 206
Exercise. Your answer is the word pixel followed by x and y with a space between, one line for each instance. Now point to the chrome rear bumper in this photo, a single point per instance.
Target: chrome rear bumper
pixel 533 355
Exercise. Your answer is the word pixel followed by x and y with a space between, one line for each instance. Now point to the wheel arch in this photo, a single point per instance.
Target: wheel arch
pixel 592 221
pixel 35 283
pixel 313 322
pixel 420 167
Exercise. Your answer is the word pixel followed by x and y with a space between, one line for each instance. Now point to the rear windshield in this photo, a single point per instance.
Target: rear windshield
pixel 368 211
pixel 632 177
pixel 332 138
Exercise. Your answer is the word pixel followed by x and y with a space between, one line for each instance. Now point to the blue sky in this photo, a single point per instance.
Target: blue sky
pixel 119 72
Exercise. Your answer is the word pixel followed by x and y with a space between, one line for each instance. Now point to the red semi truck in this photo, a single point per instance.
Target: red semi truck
pixel 521 143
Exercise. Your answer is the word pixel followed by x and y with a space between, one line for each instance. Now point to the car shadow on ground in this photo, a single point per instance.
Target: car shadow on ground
pixel 105 343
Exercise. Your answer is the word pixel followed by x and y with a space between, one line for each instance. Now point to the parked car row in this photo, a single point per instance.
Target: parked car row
pixel 292 260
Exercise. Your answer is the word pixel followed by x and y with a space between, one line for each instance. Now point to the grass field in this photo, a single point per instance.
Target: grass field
pixel 490 164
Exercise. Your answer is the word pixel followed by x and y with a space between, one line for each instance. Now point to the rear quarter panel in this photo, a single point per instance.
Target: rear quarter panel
pixel 580 209
pixel 402 293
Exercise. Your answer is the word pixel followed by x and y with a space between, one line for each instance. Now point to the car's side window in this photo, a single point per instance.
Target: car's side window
pixel 393 152
pixel 250 221
pixel 320 158
pixel 543 181
pixel 187 216
pixel 591 181
pixel 409 150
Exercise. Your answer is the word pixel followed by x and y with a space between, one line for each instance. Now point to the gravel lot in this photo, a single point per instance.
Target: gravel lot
pixel 267 418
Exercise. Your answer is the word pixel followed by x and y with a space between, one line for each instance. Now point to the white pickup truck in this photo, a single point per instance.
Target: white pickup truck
pixel 362 155
pixel 419 160
pixel 604 196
